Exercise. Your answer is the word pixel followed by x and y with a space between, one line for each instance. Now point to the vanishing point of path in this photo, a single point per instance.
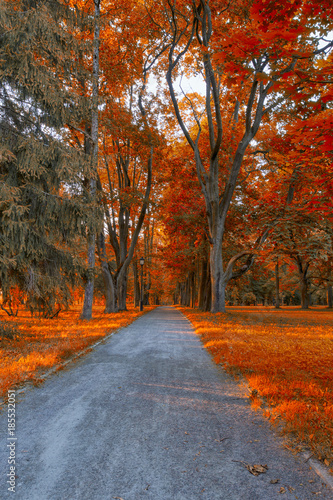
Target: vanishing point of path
pixel 148 415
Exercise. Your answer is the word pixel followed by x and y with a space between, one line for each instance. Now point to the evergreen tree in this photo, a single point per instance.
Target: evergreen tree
pixel 42 216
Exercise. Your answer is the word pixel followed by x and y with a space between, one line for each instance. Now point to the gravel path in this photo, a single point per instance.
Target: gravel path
pixel 148 415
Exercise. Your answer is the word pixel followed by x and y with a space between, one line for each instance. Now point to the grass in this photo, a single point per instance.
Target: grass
pixel 286 356
pixel 44 343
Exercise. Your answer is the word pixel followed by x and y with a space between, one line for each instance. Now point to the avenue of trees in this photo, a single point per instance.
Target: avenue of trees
pixel 105 157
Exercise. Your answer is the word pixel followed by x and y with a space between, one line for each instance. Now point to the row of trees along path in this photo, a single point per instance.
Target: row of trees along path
pixel 105 154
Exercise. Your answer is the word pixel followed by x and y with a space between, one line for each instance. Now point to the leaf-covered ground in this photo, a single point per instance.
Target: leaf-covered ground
pixel 44 343
pixel 287 357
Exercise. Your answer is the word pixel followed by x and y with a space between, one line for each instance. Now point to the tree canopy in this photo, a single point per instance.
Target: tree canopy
pixel 104 157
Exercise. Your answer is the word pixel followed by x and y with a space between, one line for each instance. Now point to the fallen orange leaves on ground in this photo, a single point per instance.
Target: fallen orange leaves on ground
pixel 44 343
pixel 287 357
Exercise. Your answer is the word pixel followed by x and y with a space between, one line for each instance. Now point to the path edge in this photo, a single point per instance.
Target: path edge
pixel 321 470
pixel 24 386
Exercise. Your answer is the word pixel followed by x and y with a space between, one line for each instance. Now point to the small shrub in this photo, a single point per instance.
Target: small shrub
pixel 249 299
pixel 8 330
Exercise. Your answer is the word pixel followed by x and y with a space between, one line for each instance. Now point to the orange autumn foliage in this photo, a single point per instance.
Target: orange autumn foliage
pixel 45 343
pixel 287 358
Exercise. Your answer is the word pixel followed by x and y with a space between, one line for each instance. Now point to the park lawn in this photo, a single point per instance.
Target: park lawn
pixel 286 356
pixel 45 343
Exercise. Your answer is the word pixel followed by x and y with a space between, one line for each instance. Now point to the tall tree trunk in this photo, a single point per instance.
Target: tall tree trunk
pixel 111 303
pixel 304 293
pixel 188 291
pixel 217 278
pixel 304 288
pixel 146 288
pixel 329 285
pixel 136 285
pixel 203 282
pixel 122 290
pixel 208 291
pixel 183 293
pixel 148 249
pixel 304 282
pixel 89 289
pixel 330 296
pixel 205 287
pixel 176 295
pixel 277 286
pixel 193 287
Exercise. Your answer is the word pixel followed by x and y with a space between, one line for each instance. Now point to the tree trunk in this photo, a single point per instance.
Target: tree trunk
pixel 304 282
pixel 208 291
pixel 217 279
pixel 122 290
pixel 277 286
pixel 110 293
pixel 205 288
pixel 193 287
pixel 188 290
pixel 111 305
pixel 329 285
pixel 146 289
pixel 203 283
pixel 186 294
pixel 304 293
pixel 330 296
pixel 89 290
pixel 183 293
pixel 176 295
pixel 136 284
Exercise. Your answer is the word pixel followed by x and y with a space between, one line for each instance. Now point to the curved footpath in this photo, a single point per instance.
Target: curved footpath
pixel 148 415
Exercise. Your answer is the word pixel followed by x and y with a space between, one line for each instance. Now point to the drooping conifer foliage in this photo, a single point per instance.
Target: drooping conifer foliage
pixel 41 212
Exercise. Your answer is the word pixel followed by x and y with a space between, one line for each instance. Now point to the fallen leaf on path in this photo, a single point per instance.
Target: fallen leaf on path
pixel 282 490
pixel 274 481
pixel 255 469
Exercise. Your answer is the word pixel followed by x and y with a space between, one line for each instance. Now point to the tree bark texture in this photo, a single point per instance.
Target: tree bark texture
pixel 111 302
pixel 89 290
pixel 136 284
pixel 277 286
pixel 330 296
